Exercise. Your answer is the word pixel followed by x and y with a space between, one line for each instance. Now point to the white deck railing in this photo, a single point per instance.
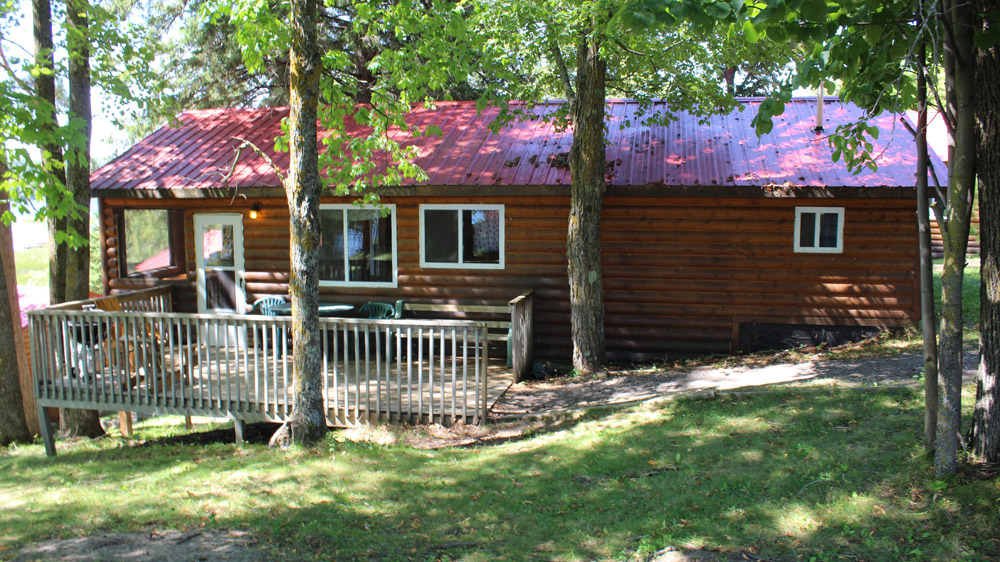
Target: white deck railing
pixel 240 366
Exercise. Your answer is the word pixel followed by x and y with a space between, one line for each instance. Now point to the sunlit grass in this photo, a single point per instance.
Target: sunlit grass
pixel 32 266
pixel 793 475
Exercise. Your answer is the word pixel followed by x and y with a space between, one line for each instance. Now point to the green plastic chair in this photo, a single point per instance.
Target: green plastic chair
pixel 263 305
pixel 377 311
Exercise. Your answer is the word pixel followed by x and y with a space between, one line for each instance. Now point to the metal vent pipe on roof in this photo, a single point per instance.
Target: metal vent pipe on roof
pixel 819 108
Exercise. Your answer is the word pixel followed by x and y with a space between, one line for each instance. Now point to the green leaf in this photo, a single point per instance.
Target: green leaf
pixel 814 10
pixel 986 39
pixel 718 10
pixel 750 32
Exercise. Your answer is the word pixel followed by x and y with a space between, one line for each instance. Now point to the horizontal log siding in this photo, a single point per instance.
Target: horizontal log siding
pixel 679 272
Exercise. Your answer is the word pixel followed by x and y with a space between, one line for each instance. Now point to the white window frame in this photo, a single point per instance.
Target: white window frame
pixel 460 264
pixel 838 249
pixel 347 270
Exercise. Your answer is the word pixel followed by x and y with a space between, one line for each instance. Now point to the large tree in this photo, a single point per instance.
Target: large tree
pixel 986 419
pixel 325 87
pixel 13 425
pixel 586 51
pixel 303 187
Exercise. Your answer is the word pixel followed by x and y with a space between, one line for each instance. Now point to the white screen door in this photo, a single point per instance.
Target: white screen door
pixel 219 254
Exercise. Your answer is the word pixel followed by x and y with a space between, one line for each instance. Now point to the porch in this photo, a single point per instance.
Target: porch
pixel 145 358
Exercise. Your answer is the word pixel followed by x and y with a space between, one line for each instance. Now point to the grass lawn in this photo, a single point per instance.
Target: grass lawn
pixel 32 266
pixel 802 474
pixel 970 291
pixel 806 473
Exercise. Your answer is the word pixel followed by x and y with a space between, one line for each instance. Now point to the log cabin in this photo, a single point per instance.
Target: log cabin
pixel 713 240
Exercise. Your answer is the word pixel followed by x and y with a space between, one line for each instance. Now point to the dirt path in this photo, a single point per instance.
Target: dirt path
pixel 619 387
pixel 149 546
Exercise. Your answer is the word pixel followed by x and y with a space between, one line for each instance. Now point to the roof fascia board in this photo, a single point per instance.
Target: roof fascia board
pixel 777 191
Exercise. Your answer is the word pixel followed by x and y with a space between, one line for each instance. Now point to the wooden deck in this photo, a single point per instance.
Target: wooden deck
pixel 136 356
pixel 261 390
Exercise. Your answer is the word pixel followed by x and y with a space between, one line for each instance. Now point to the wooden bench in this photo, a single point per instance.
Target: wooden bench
pixel 498 318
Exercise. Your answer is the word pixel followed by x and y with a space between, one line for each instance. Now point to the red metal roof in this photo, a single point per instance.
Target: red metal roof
pixel 724 150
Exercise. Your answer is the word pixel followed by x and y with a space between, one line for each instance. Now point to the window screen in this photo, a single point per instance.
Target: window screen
pixel 356 245
pixel 468 236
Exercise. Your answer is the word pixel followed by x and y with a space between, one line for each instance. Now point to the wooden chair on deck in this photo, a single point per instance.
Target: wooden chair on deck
pixel 148 349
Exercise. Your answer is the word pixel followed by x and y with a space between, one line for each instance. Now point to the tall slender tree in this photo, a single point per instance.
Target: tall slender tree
pixel 52 153
pixel 76 275
pixel 30 119
pixel 957 20
pixel 870 48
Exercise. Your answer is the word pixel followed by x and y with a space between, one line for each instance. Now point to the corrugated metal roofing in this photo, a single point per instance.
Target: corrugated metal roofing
pixel 724 150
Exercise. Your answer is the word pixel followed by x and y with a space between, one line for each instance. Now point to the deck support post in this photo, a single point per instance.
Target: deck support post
pixel 125 424
pixel 240 428
pixel 45 428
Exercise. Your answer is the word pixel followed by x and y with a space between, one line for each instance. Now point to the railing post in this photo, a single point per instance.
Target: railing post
pixel 45 428
pixel 522 338
pixel 484 365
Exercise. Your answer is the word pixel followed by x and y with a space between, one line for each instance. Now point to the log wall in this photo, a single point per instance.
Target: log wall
pixel 680 273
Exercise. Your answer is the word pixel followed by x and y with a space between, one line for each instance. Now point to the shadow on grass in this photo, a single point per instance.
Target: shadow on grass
pixel 785 476
pixel 762 475
pixel 253 434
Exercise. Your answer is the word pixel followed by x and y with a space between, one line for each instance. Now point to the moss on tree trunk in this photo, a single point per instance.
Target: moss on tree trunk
pixel 955 231
pixel 303 187
pixel 583 246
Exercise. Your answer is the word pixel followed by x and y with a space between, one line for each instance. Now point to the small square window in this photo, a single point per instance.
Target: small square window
pixel 150 241
pixel 357 246
pixel 462 236
pixel 819 230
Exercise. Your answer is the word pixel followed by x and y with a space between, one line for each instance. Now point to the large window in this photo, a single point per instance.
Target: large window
pixel 462 236
pixel 357 246
pixel 151 241
pixel 819 230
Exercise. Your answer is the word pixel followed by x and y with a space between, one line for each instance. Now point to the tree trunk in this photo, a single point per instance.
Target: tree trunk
pixel 13 425
pixel 78 158
pixel 587 161
pixel 955 232
pixel 84 423
pixel 985 432
pixel 303 187
pixel 52 154
pixel 927 315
